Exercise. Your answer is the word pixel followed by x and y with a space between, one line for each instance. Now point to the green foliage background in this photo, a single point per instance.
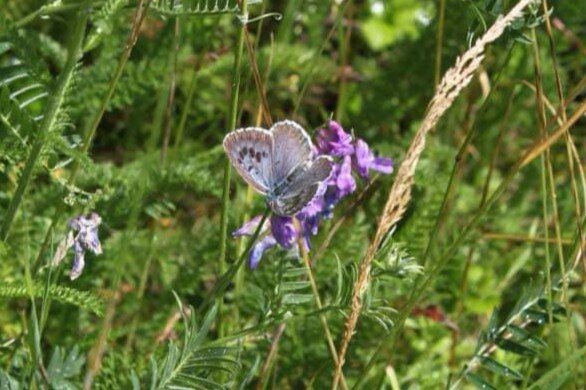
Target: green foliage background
pixel 498 315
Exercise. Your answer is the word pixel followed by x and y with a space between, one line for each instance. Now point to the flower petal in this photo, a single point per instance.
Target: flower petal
pixel 258 250
pixel 284 231
pixel 249 227
pixel 382 165
pixel 78 263
pixel 334 141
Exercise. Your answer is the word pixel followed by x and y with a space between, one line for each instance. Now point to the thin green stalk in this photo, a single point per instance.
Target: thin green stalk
pixel 344 40
pixel 140 294
pixel 423 282
pixel 173 61
pixel 34 333
pixel 544 170
pixel 54 105
pixel 236 75
pixel 439 42
pixel 322 317
pixel 225 279
pixel 562 112
pixel 47 9
pixel 185 111
pixel 312 65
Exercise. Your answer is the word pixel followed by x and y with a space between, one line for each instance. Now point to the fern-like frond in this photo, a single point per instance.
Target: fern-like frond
pixel 194 365
pixel 518 335
pixel 82 299
pixel 23 74
pixel 103 21
pixel 16 125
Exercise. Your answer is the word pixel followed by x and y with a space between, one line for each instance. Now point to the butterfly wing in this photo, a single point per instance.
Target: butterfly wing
pixel 292 148
pixel 302 186
pixel 250 151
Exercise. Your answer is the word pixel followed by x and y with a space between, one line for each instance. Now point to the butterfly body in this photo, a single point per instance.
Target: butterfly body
pixel 279 163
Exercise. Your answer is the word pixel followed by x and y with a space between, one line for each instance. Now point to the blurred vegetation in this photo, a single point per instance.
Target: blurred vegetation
pixel 508 310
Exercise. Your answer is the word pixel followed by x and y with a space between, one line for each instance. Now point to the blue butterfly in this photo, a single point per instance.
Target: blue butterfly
pixel 279 163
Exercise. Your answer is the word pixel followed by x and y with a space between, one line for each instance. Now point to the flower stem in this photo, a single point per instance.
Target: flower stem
pixel 226 277
pixel 236 72
pixel 322 317
pixel 54 104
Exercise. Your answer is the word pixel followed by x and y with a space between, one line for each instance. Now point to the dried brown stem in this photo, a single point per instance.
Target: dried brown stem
pixel 453 82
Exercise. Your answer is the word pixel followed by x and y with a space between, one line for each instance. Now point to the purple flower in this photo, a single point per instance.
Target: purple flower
pixel 83 236
pixel 258 250
pixel 334 141
pixel 364 160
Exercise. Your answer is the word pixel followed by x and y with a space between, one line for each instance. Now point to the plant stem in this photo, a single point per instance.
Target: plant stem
pixel 322 317
pixel 171 96
pixel 185 111
pixel 227 276
pixel 236 73
pixel 46 10
pixel 54 104
pixel 313 63
pixel 544 170
pixel 439 42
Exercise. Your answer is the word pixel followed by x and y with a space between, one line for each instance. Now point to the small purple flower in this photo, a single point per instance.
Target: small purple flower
pixel 364 160
pixel 334 141
pixel 85 238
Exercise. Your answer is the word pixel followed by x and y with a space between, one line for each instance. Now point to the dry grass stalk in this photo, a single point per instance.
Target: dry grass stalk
pixel 453 82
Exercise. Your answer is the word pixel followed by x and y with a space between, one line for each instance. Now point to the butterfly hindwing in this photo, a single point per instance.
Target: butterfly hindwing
pixel 250 151
pixel 302 186
pixel 291 149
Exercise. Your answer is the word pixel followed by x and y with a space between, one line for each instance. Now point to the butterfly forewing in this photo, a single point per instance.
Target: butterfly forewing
pixel 291 149
pixel 250 151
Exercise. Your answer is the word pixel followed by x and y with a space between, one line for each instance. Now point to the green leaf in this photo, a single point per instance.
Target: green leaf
pixel 479 382
pixel 294 286
pixel 556 308
pixel 499 368
pixel 538 316
pixel 525 337
pixel 63 367
pixel 514 347
pixel 296 299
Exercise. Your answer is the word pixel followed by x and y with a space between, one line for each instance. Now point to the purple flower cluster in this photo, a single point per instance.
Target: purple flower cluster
pixel 349 156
